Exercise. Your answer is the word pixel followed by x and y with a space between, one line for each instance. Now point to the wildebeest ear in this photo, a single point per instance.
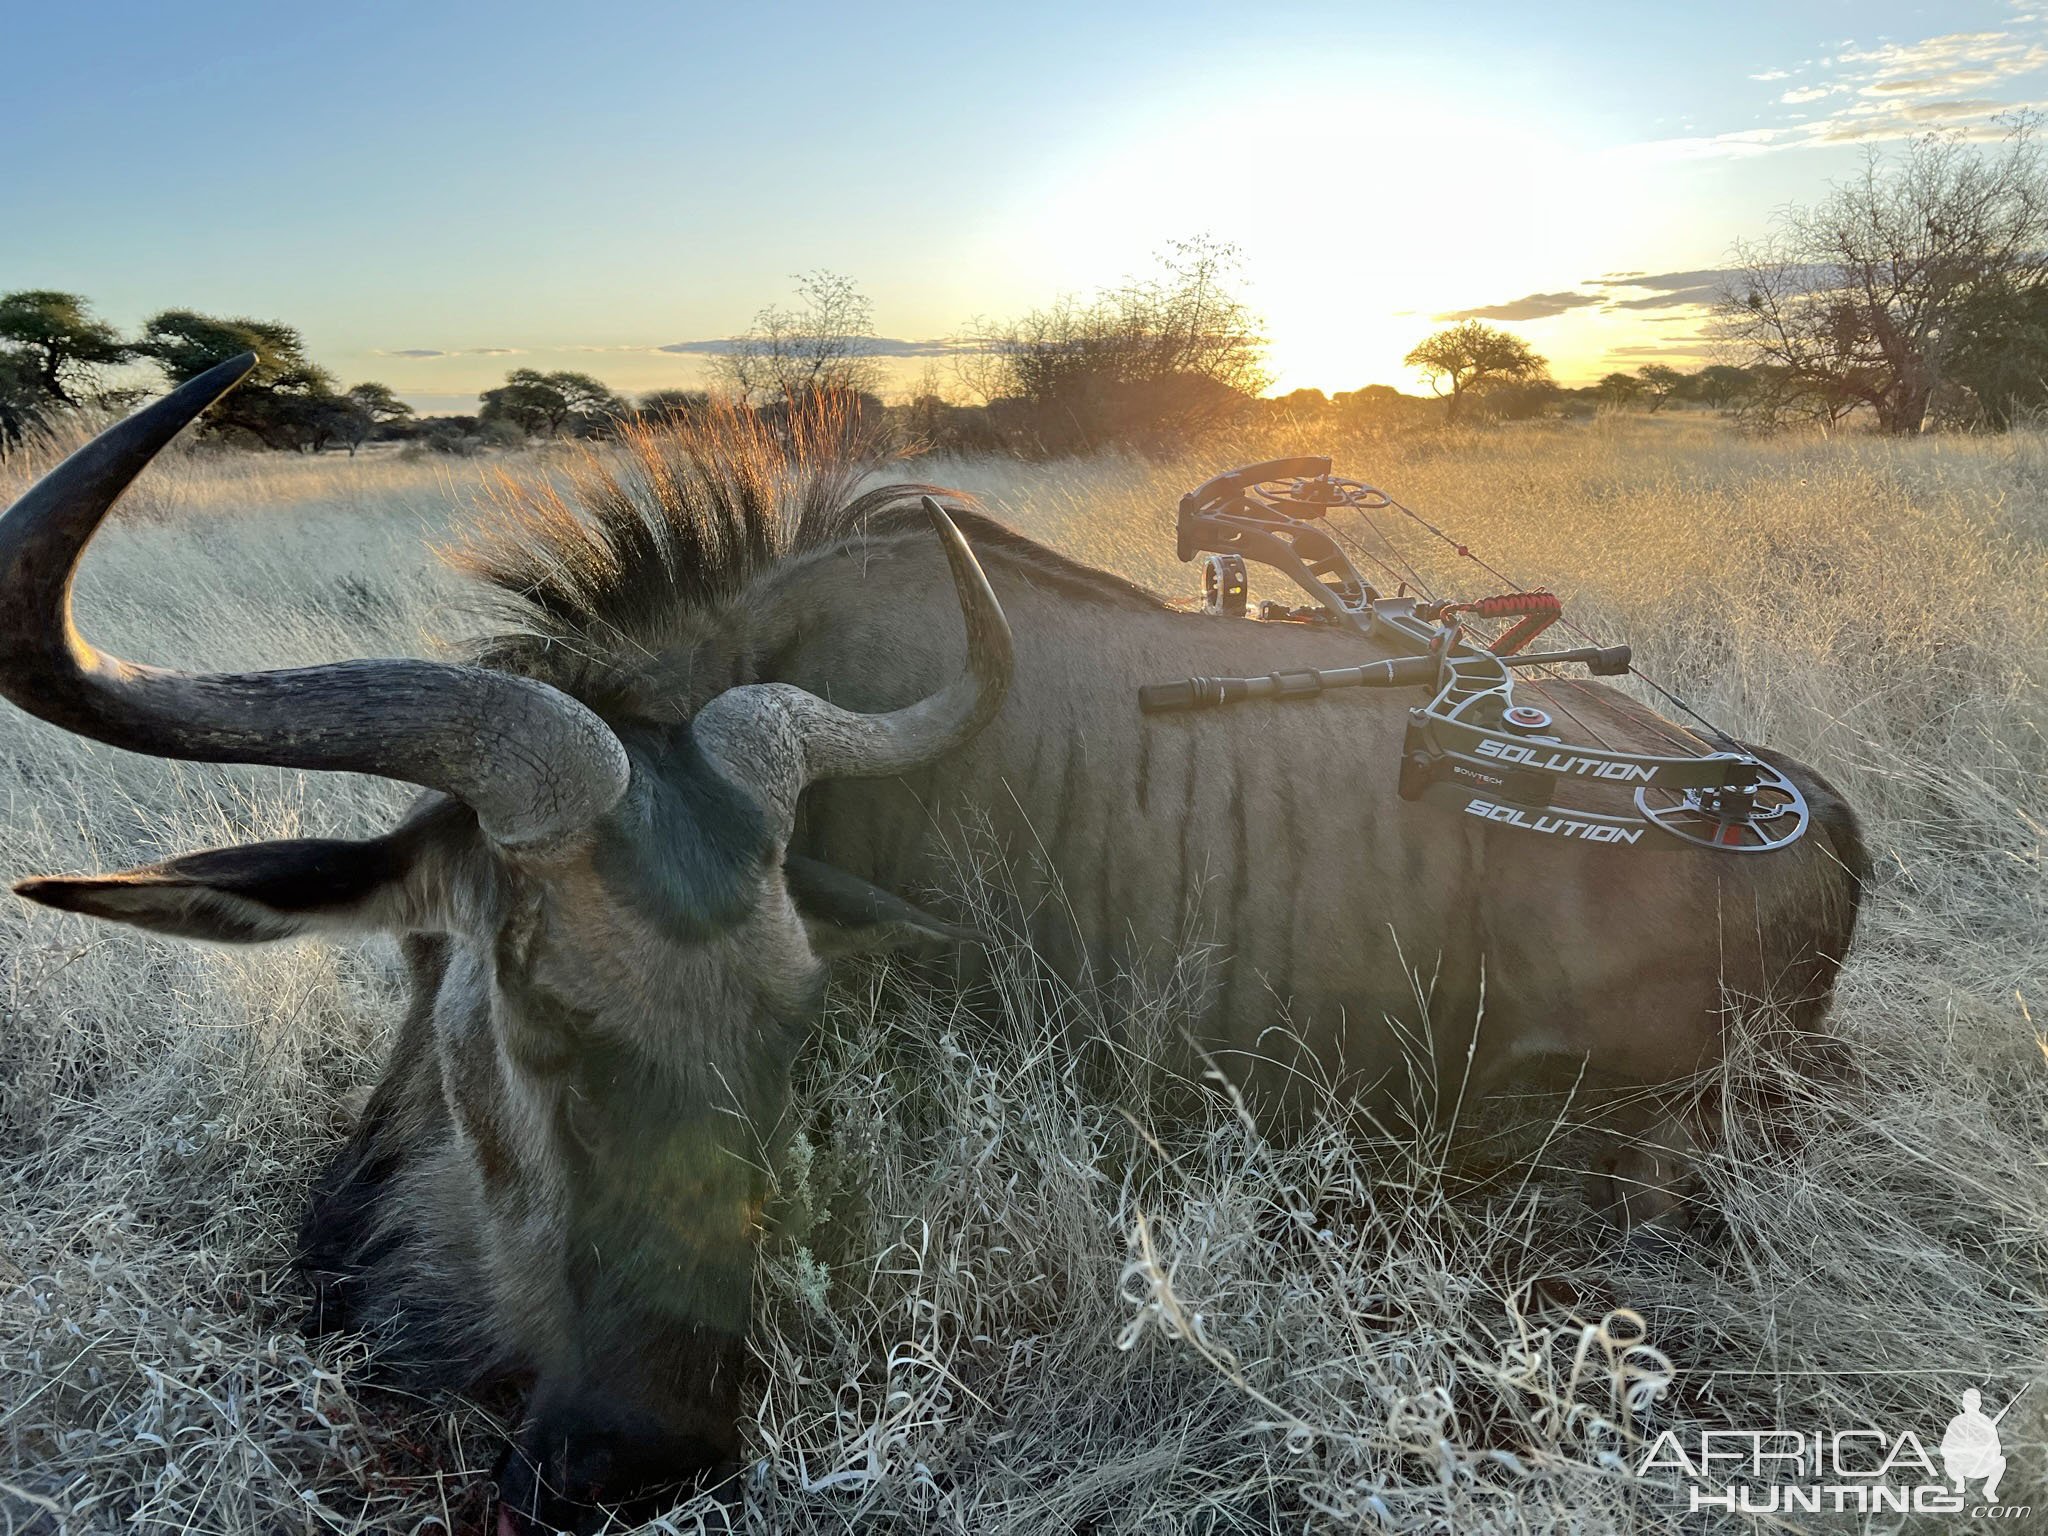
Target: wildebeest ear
pixel 847 915
pixel 263 891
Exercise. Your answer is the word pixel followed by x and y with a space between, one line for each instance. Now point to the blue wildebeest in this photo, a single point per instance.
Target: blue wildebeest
pixel 730 732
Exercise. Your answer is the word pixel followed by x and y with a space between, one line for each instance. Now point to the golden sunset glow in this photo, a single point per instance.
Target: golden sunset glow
pixel 1378 169
pixel 1357 228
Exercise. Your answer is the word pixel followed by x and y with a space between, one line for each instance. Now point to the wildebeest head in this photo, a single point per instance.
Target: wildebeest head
pixel 620 969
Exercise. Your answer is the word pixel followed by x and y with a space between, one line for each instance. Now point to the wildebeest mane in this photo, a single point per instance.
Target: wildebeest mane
pixel 607 562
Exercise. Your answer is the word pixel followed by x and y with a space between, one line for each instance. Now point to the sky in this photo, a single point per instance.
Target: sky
pixel 435 192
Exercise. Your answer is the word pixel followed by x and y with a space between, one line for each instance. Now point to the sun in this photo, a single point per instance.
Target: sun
pixel 1357 227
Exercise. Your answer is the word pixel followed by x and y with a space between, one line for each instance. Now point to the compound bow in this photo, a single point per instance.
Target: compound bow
pixel 1472 747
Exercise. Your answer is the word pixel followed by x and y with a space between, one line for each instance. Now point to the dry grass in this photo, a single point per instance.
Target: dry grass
pixel 203 478
pixel 1000 1304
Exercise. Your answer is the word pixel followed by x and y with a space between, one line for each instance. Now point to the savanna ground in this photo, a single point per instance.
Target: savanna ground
pixel 999 1304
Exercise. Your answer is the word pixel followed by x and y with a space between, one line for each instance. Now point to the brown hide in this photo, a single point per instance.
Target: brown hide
pixel 1278 823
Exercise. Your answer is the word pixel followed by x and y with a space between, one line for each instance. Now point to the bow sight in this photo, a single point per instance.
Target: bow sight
pixel 1472 747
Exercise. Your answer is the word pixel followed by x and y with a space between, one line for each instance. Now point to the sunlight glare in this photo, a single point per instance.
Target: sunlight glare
pixel 1358 227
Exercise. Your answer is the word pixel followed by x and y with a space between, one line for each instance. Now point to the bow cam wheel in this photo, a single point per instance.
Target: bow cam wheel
pixel 1759 820
pixel 1225 583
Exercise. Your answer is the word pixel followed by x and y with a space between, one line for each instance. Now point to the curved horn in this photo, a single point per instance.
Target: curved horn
pixel 531 761
pixel 777 738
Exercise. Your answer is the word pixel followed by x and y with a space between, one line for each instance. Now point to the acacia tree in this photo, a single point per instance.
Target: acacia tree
pixel 288 400
pixel 1619 388
pixel 1466 359
pixel 673 404
pixel 1721 384
pixel 58 342
pixel 1661 384
pixel 823 346
pixel 1864 300
pixel 368 406
pixel 549 404
pixel 185 344
pixel 21 398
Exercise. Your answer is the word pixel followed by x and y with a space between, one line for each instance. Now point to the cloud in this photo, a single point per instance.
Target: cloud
pixel 1666 290
pixel 1947 80
pixel 869 346
pixel 883 346
pixel 1533 306
pixel 1936 111
pixel 1719 146
pixel 417 352
pixel 1664 349
pixel 874 346
pixel 1981 126
pixel 1891 90
pixel 1705 294
pixel 2000 54
pixel 1662 279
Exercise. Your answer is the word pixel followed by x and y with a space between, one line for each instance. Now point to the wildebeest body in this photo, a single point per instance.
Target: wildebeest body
pixel 720 663
pixel 1272 830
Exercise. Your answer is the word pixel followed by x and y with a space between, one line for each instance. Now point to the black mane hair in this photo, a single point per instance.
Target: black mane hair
pixel 601 567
